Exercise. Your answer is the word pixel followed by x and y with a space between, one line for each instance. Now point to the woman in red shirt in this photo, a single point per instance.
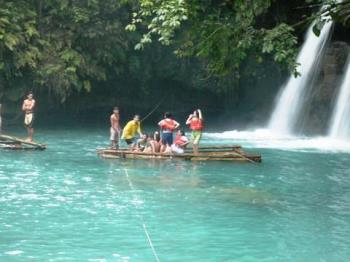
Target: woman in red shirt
pixel 195 121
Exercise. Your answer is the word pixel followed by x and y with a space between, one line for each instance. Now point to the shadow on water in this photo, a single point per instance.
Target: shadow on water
pixel 180 176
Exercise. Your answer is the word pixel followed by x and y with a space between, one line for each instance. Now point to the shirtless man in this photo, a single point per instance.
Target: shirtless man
pixel 115 128
pixel 28 109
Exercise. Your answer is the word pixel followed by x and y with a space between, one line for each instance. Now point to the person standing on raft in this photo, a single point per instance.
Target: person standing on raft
pixel 167 125
pixel 115 128
pixel 28 109
pixel 131 129
pixel 195 121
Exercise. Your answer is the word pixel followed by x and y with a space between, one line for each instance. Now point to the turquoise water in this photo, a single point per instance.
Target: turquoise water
pixel 66 204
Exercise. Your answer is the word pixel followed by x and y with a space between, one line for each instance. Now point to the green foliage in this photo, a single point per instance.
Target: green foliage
pixel 17 36
pixel 328 10
pixel 60 46
pixel 281 42
pixel 165 18
pixel 224 33
pixel 336 10
pixel 68 48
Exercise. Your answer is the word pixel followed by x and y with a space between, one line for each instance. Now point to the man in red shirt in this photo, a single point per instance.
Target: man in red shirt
pixel 167 125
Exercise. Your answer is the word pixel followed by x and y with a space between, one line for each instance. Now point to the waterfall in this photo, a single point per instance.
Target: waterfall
pixel 291 97
pixel 340 121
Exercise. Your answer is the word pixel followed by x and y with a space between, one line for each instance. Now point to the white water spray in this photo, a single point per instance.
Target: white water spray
pixel 340 121
pixel 290 102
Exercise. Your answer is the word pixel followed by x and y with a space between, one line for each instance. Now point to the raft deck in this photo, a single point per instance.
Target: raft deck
pixel 227 153
pixel 15 143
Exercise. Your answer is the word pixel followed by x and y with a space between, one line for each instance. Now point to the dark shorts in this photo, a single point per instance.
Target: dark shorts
pixel 167 139
pixel 130 141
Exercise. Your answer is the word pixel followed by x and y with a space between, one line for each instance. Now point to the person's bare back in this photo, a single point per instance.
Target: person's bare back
pixel 115 122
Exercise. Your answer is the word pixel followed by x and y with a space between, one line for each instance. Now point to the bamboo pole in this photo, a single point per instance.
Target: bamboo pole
pixel 233 147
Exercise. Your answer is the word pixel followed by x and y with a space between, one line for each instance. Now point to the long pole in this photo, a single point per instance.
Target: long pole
pixel 152 111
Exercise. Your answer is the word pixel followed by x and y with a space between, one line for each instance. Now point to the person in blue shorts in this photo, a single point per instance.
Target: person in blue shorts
pixel 167 125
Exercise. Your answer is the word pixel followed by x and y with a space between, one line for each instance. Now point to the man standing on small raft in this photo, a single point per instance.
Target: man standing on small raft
pixel 28 109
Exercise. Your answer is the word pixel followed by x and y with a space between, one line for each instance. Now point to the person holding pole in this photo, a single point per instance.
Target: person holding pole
pixel 132 128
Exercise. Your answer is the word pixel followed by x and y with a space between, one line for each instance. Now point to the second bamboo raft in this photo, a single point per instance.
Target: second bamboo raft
pixel 15 143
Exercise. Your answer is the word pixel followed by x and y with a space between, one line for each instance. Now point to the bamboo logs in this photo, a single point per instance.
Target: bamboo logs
pixel 10 142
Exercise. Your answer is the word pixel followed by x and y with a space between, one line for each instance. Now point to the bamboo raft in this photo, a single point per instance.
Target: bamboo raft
pixel 210 153
pixel 14 143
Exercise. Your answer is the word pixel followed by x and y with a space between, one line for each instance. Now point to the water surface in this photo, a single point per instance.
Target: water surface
pixel 66 204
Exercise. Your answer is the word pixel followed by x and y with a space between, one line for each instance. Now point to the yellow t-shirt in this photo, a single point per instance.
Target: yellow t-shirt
pixel 130 130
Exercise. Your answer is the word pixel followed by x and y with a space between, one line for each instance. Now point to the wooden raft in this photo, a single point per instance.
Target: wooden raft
pixel 14 143
pixel 227 153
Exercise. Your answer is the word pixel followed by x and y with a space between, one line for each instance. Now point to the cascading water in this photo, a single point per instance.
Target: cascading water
pixel 340 121
pixel 290 102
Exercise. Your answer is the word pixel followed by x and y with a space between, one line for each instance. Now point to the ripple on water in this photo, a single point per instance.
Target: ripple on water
pixel 67 204
pixel 14 252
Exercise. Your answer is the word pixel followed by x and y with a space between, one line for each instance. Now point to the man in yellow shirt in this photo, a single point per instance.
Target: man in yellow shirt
pixel 131 129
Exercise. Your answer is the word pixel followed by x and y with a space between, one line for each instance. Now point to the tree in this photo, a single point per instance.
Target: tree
pixel 60 46
pixel 223 33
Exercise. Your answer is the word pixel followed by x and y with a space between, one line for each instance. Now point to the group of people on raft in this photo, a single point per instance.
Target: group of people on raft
pixel 160 141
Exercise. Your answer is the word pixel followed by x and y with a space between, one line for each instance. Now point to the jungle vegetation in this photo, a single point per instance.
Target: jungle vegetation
pixel 94 54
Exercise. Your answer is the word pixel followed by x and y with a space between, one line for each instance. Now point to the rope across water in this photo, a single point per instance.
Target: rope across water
pixel 141 217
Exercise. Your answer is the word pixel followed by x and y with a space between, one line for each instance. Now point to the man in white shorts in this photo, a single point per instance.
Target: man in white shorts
pixel 28 109
pixel 115 128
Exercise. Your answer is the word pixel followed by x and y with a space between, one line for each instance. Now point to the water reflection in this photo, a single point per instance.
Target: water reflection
pixel 180 176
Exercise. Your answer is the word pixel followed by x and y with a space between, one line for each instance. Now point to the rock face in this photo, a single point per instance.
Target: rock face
pixel 333 68
pixel 321 98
